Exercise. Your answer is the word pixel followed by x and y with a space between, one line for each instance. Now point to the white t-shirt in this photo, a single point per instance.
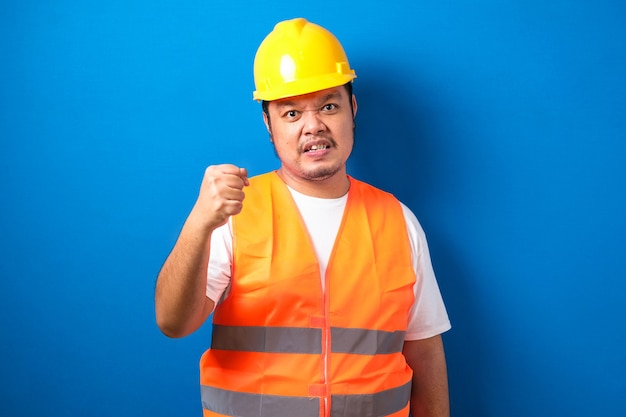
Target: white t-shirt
pixel 428 316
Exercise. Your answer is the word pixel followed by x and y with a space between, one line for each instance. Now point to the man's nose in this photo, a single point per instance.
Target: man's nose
pixel 313 123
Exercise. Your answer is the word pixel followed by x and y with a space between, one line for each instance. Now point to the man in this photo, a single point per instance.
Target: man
pixel 324 299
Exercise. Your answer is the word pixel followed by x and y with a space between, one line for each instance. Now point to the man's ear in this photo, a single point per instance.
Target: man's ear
pixel 354 106
pixel 268 126
pixel 266 120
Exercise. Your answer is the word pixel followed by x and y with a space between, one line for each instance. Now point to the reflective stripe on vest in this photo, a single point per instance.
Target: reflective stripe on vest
pixel 232 403
pixel 299 340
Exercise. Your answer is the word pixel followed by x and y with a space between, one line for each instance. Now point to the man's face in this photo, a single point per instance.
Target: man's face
pixel 313 134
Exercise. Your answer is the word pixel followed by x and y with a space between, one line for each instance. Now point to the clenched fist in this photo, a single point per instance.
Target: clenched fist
pixel 221 194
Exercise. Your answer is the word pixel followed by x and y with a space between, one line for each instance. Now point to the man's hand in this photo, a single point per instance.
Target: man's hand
pixel 221 195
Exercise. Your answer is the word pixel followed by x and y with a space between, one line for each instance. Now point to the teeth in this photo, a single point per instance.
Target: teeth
pixel 317 147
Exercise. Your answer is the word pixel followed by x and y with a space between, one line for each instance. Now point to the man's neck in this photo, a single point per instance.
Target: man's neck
pixel 333 187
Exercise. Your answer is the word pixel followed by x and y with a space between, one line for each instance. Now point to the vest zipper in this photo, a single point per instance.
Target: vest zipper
pixel 327 341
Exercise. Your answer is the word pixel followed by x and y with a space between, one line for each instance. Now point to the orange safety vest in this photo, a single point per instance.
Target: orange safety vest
pixel 281 346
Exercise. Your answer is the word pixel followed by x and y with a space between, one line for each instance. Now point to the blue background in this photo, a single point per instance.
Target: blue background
pixel 501 124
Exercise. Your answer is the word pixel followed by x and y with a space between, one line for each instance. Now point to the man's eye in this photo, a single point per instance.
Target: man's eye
pixel 291 114
pixel 329 107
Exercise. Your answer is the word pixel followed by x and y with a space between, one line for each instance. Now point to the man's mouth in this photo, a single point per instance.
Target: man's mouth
pixel 316 148
pixel 317 145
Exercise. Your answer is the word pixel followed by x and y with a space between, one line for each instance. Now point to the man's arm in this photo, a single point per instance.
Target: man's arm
pixel 181 304
pixel 429 394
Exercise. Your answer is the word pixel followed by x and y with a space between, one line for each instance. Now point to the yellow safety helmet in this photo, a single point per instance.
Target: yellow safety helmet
pixel 299 57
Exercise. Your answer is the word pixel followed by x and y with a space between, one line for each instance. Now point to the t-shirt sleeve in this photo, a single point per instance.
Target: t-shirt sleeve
pixel 428 316
pixel 220 263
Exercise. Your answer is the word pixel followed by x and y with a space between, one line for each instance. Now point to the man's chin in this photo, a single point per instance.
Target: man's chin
pixel 321 173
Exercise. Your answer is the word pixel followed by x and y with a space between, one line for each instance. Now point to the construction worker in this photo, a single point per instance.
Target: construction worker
pixel 324 298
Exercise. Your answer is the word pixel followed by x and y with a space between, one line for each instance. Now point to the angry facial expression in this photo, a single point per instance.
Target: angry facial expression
pixel 313 134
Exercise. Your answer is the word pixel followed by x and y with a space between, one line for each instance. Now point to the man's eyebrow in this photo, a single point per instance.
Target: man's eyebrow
pixel 330 96
pixel 282 104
